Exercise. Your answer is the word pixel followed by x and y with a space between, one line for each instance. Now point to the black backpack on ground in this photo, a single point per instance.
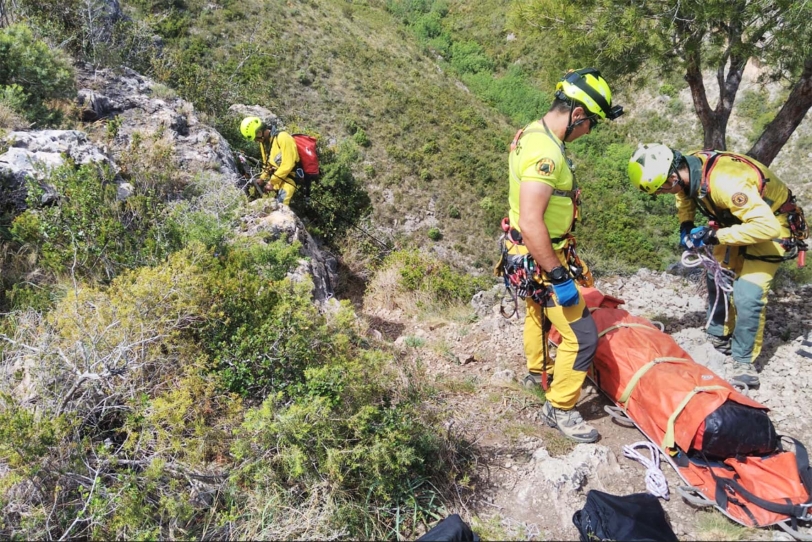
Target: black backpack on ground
pixel 636 517
pixel 451 529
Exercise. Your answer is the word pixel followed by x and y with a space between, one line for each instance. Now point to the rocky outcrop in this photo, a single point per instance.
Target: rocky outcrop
pixel 137 109
pixel 270 221
pixel 32 155
pixel 141 106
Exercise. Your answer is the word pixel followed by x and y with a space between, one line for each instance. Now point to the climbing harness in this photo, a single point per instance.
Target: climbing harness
pixel 794 246
pixel 518 271
pixel 722 278
pixel 656 484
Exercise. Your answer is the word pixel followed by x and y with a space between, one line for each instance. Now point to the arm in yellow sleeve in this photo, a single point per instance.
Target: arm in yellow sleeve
pixel 686 208
pixel 758 221
pixel 286 146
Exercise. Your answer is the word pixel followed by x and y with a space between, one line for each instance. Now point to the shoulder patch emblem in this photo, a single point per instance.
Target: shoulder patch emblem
pixel 545 166
pixel 739 199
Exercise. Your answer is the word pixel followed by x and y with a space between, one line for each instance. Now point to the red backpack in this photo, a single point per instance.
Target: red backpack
pixel 308 155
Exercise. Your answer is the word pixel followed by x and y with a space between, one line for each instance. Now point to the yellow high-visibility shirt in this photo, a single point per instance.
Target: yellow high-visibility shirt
pixel 280 160
pixel 539 158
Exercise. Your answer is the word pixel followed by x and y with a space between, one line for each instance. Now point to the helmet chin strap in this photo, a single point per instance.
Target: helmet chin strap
pixel 571 125
pixel 678 159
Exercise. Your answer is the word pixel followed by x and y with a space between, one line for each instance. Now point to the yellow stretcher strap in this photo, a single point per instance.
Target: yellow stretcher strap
pixel 668 439
pixel 643 370
pixel 618 326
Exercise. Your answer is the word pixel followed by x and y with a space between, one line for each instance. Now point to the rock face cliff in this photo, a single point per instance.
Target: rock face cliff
pixel 119 110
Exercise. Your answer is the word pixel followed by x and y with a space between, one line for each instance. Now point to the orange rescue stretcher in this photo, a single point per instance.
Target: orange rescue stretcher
pixel 658 388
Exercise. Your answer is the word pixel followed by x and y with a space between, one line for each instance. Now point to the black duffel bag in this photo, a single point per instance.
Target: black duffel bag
pixel 734 429
pixel 636 517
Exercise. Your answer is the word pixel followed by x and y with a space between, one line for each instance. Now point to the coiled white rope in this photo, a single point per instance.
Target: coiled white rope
pixel 656 484
pixel 722 278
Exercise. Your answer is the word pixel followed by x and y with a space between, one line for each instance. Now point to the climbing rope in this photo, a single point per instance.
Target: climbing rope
pixel 722 278
pixel 656 484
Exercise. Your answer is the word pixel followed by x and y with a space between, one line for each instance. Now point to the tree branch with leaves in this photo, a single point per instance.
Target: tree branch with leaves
pixel 690 37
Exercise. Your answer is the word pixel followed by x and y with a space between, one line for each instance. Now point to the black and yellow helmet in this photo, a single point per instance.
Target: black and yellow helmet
pixel 586 86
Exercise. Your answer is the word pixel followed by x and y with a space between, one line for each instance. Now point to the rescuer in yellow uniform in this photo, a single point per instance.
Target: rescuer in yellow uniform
pixel 755 225
pixel 543 199
pixel 279 157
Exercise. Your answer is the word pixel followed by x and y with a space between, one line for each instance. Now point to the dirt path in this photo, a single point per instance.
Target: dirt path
pixel 531 479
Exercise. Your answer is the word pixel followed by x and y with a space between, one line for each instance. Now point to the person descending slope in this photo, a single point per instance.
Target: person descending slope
pixel 279 157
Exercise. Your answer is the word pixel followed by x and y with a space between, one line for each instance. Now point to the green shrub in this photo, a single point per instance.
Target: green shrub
pixel 88 231
pixel 361 139
pixel 268 331
pixel 435 234
pixel 338 202
pixel 469 57
pixel 14 97
pixel 669 90
pixel 33 73
pixel 421 272
pixel 756 107
pixel 348 440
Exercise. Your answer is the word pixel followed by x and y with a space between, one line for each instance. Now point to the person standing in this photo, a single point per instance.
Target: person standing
pixel 754 225
pixel 544 201
pixel 279 157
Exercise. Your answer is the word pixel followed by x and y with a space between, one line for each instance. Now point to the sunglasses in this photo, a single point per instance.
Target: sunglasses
pixel 593 121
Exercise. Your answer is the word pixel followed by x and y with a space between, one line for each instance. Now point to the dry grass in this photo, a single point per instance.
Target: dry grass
pixel 384 292
pixel 272 517
pixel 715 526
pixel 11 121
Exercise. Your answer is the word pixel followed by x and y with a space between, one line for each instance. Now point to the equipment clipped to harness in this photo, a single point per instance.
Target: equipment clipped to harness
pixel 517 271
pixel 517 267
pixel 797 226
pixel 794 246
pixel 578 268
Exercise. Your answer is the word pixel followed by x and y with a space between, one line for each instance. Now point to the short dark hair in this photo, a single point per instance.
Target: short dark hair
pixel 563 106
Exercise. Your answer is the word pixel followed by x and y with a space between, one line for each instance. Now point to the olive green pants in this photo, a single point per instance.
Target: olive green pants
pixel 747 306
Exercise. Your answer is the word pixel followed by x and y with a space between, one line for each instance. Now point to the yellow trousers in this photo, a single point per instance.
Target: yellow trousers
pixel 747 306
pixel 579 341
pixel 284 192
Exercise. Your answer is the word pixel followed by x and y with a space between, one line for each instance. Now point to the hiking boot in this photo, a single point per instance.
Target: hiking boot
pixel 745 373
pixel 721 344
pixel 533 380
pixel 569 422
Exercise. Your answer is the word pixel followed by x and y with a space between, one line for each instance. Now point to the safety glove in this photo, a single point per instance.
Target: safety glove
pixel 564 289
pixel 685 234
pixel 566 293
pixel 703 236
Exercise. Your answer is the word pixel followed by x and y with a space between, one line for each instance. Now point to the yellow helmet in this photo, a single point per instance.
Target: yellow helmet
pixel 589 88
pixel 650 166
pixel 250 126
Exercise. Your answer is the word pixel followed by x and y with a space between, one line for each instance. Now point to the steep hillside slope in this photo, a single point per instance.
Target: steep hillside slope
pixel 429 151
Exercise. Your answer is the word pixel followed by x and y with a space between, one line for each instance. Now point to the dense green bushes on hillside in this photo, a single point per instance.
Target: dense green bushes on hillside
pixel 32 75
pixel 140 433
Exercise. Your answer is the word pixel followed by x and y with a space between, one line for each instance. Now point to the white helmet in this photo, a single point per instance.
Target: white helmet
pixel 650 166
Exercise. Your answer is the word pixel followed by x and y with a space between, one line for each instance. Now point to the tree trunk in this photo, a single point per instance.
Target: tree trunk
pixel 776 134
pixel 693 75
